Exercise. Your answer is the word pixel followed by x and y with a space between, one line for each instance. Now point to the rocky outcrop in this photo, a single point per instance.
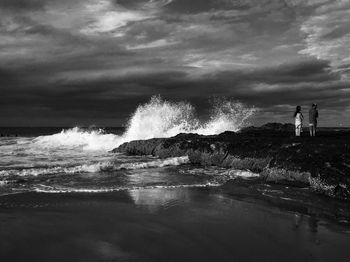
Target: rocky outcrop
pixel 321 162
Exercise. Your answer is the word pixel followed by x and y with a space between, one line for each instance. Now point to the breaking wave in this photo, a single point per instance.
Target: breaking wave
pixel 157 118
pixel 161 118
pixel 97 167
pixel 79 138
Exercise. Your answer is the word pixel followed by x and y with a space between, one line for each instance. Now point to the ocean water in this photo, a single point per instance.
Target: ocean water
pixel 79 159
pixel 65 197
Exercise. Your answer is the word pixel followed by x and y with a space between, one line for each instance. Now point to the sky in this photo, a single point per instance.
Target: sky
pixel 84 62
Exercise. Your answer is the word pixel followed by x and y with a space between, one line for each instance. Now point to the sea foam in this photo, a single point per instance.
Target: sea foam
pixel 59 190
pixel 77 138
pixel 96 167
pixel 157 118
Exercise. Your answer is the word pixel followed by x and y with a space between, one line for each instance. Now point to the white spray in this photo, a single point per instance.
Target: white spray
pixel 157 118
pixel 160 118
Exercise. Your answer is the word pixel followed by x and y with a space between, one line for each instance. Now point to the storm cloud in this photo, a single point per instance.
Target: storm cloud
pixel 92 62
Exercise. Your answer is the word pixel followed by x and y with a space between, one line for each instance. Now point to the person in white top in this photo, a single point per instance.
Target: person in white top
pixel 298 121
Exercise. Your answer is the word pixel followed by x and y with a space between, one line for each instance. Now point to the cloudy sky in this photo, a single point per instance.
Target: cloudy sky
pixel 68 62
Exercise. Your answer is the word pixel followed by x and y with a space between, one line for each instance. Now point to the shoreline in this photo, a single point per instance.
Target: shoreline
pixel 321 163
pixel 132 225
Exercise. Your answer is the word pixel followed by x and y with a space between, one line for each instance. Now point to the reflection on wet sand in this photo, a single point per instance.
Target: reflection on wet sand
pixel 312 222
pixel 154 224
pixel 159 198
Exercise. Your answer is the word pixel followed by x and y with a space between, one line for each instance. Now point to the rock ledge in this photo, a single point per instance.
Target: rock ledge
pixel 321 162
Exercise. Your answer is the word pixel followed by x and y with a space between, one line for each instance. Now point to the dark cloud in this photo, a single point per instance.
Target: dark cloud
pixel 132 4
pixel 106 98
pixel 198 6
pixel 185 7
pixel 92 62
pixel 305 71
pixel 338 32
pixel 22 4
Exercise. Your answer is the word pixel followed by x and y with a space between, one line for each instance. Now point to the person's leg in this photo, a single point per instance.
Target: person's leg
pixel 310 128
pixel 315 127
pixel 297 130
pixel 313 130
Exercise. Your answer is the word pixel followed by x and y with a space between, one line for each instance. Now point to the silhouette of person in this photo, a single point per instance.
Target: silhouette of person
pixel 298 116
pixel 313 115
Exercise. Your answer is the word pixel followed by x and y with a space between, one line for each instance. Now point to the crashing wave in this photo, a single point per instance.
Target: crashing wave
pixel 78 138
pixel 157 118
pixel 160 118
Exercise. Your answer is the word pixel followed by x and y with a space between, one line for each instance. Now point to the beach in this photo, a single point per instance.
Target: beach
pixel 174 130
pixel 164 225
pixel 69 196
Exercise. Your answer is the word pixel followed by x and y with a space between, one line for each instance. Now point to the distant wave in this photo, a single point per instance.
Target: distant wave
pixel 157 118
pixel 92 168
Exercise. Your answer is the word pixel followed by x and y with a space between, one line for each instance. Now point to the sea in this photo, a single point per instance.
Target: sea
pixel 80 160
pixel 64 196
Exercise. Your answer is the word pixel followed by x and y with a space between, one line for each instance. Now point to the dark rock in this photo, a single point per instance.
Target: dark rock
pixel 322 162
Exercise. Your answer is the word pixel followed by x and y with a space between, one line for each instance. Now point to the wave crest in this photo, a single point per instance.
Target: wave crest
pixel 161 118
pixel 79 138
pixel 156 119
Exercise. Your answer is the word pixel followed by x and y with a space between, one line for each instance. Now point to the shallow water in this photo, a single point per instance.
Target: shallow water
pixel 185 224
pixel 78 161
pixel 64 197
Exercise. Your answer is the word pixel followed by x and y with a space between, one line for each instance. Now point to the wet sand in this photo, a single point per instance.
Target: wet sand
pixel 163 225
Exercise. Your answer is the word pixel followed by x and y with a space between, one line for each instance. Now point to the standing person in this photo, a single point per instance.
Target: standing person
pixel 313 115
pixel 298 120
